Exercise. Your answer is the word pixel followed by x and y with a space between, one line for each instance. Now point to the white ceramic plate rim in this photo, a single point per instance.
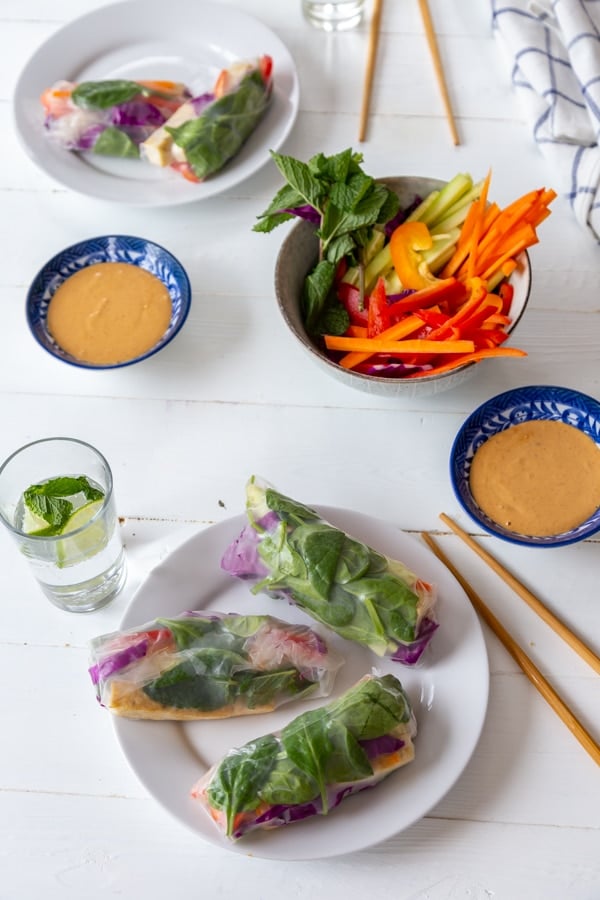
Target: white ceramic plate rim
pixel 191 44
pixel 449 693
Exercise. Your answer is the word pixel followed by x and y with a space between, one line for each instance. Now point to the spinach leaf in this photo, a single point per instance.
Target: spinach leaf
pixel 347 761
pixel 236 785
pixel 260 688
pixel 104 94
pixel 203 680
pixel 308 746
pixel 189 631
pixel 115 142
pixel 288 509
pixel 213 138
pixel 374 707
pixel 288 784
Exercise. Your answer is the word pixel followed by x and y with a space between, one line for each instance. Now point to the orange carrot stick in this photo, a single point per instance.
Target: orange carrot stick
pixel 397 331
pixel 377 345
pixel 476 356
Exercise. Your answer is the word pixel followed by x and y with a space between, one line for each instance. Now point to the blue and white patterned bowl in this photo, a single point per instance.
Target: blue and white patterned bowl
pixel 512 408
pixel 108 248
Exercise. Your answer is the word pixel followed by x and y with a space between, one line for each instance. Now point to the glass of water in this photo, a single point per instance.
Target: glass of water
pixel 57 502
pixel 333 15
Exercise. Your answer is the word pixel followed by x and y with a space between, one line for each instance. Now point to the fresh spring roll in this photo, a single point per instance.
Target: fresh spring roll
pixel 210 666
pixel 209 130
pixel 111 117
pixel 315 762
pixel 287 550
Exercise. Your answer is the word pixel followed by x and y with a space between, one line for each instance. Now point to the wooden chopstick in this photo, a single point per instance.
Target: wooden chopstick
pixel 370 70
pixel 532 601
pixel 519 655
pixel 437 65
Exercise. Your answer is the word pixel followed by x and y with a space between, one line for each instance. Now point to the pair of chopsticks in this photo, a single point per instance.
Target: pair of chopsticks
pixel 435 56
pixel 525 662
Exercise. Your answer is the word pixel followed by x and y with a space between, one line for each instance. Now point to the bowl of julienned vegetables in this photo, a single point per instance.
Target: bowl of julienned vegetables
pixel 400 286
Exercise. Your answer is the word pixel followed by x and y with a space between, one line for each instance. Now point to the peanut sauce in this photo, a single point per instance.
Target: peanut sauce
pixel 537 478
pixel 109 313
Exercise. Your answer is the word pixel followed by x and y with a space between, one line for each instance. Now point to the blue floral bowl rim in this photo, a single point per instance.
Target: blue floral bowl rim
pixel 469 431
pixel 80 247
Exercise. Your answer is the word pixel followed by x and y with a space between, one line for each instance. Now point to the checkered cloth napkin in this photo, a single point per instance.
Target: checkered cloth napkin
pixel 554 50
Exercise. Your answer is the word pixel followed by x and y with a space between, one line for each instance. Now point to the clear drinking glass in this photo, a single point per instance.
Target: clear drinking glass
pixel 75 551
pixel 333 15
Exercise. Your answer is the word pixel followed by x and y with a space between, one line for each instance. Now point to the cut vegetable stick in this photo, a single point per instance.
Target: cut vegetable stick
pixel 377 345
pixel 394 332
pixel 476 356
pixel 478 224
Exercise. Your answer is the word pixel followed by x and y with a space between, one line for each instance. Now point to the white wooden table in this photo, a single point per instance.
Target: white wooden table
pixel 235 395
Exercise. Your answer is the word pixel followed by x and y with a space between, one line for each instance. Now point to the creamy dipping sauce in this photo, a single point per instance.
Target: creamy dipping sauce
pixel 109 313
pixel 538 478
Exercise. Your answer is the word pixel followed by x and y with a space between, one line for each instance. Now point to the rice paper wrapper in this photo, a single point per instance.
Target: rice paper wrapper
pixel 111 117
pixel 209 666
pixel 314 763
pixel 288 550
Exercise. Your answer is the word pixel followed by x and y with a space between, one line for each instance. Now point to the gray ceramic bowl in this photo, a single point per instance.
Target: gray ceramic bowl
pixel 297 257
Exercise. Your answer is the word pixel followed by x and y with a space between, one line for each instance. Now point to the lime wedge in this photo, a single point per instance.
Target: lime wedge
pixel 77 544
pixel 32 523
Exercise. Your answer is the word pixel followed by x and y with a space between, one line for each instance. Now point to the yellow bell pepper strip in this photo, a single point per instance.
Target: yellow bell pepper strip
pixel 397 348
pixel 406 242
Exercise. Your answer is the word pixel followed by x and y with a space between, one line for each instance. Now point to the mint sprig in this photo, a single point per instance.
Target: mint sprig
pixel 349 204
pixel 49 501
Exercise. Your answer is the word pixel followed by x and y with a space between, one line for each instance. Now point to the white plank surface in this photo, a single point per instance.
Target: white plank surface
pixel 234 395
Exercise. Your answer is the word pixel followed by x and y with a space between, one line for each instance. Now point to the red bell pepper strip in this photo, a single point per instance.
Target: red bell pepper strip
pixel 349 297
pixel 378 318
pixel 450 291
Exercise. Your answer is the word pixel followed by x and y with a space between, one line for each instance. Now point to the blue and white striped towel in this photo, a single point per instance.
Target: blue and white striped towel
pixel 554 51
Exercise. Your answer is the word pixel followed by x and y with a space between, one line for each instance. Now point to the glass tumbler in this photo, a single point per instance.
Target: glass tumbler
pixel 333 15
pixel 57 502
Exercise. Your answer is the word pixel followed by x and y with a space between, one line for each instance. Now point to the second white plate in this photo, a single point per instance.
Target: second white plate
pixel 139 39
pixel 448 693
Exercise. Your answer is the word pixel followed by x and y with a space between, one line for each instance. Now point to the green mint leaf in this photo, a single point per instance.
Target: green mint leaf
pixel 335 320
pixel 53 510
pixel 286 198
pixel 115 142
pixel 104 94
pixel 301 179
pixel 268 223
pixel 344 245
pixel 316 289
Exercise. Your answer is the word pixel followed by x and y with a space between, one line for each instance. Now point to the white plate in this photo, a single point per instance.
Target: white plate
pixel 185 41
pixel 448 692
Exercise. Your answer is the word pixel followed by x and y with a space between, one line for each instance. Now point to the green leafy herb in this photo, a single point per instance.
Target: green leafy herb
pixel 213 138
pixel 115 142
pixel 240 776
pixel 50 501
pixel 104 94
pixel 348 203
pixel 214 668
pixel 340 581
pixel 317 751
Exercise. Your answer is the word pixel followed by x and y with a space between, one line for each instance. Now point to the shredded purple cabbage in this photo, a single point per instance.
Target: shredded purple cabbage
pixel 136 113
pixel 201 102
pixel 88 138
pixel 117 661
pixel 381 746
pixel 401 216
pixel 307 212
pixel 409 654
pixel 282 814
